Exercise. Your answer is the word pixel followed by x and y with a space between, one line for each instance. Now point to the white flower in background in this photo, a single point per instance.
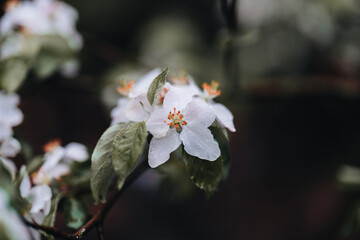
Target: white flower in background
pixel 10 114
pixel 12 226
pixel 134 105
pixel 182 119
pixel 9 148
pixel 57 161
pixel 42 17
pixel 39 196
pixel 223 114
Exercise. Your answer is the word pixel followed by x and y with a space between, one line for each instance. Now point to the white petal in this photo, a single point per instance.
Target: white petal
pixel 142 86
pixel 10 147
pixel 53 158
pixel 5 131
pixel 76 151
pixel 39 196
pixel 198 110
pixel 25 185
pixel 57 171
pixel 224 116
pixel 160 148
pixel 138 109
pixel 10 165
pixel 156 125
pixel 118 113
pixel 198 141
pixel 176 98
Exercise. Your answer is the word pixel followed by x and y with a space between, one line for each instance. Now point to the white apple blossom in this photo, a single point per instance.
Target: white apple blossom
pixel 134 106
pixel 57 161
pixel 42 17
pixel 10 114
pixel 223 114
pixel 12 225
pixel 182 119
pixel 39 196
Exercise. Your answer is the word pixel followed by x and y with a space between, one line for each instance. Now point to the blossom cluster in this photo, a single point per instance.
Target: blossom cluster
pixel 181 114
pixel 42 33
pixel 36 188
pixel 41 17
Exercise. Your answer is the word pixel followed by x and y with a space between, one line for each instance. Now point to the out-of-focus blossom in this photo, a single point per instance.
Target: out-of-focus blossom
pixel 12 226
pixel 57 161
pixel 134 104
pixel 10 114
pixel 182 119
pixel 43 17
pixel 38 195
pixel 222 113
pixel 8 149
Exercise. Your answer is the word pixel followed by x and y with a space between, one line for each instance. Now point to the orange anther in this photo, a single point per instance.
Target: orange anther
pixel 125 88
pixel 52 145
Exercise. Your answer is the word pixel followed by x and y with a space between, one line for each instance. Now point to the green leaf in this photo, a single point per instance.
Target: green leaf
pixel 206 175
pixel 46 64
pixel 49 220
pixel 127 148
pixel 156 86
pixel 12 73
pixel 5 178
pixel 221 136
pixel 102 170
pixel 55 51
pixel 75 213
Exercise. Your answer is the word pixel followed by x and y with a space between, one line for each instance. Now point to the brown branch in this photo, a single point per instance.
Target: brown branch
pixel 101 231
pixel 98 218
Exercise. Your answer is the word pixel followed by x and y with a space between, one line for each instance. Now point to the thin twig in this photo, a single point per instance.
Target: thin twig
pixel 100 230
pixel 98 218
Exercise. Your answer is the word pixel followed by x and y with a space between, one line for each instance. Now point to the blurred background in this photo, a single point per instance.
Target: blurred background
pixel 289 72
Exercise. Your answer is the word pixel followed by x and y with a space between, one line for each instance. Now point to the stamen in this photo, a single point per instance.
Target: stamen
pixel 212 89
pixel 125 88
pixel 176 119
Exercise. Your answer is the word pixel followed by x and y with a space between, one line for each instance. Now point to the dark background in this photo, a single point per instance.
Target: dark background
pixel 297 118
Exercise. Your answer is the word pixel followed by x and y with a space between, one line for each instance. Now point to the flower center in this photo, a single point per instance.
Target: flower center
pixel 40 177
pixel 125 87
pixel 175 119
pixel 212 89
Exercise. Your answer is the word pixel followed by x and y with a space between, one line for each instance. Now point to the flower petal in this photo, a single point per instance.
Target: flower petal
pixel 142 86
pixel 224 116
pixel 198 141
pixel 56 172
pixel 198 110
pixel 40 195
pixel 160 148
pixel 118 113
pixel 156 125
pixel 176 98
pixel 53 158
pixel 76 152
pixel 10 147
pixel 138 109
pixel 25 185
